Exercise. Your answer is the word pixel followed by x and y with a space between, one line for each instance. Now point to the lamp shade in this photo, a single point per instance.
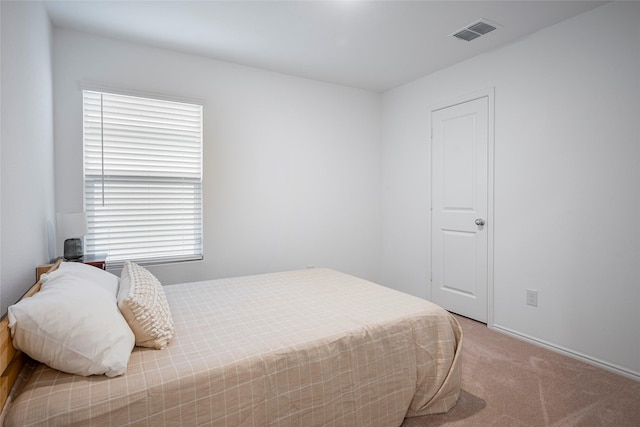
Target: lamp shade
pixel 71 225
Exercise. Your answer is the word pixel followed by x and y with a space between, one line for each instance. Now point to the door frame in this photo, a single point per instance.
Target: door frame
pixel 489 93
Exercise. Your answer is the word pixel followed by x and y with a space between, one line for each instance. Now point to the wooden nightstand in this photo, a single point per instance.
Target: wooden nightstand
pixel 97 260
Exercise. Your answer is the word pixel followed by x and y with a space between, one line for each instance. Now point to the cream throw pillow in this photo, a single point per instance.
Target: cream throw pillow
pixel 143 304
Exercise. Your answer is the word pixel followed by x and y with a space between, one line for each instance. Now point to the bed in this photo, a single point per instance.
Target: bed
pixel 308 348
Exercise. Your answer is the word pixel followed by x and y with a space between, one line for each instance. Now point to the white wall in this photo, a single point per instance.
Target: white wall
pixel 291 166
pixel 567 182
pixel 26 188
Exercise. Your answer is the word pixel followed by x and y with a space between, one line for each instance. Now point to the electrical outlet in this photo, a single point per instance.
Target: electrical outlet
pixel 532 297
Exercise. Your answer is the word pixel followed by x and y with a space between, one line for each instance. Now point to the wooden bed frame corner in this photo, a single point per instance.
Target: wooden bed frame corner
pixel 12 360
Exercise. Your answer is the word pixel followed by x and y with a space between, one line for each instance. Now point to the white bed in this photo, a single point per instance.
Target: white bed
pixel 308 348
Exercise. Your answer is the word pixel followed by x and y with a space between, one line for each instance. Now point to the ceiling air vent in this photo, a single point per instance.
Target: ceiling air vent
pixel 475 30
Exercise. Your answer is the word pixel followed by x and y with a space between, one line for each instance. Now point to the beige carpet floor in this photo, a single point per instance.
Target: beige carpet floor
pixel 509 382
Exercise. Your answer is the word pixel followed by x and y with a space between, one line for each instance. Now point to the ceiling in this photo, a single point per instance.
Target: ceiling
pixel 374 45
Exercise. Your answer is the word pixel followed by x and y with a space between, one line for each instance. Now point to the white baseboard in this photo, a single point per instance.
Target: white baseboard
pixel 567 352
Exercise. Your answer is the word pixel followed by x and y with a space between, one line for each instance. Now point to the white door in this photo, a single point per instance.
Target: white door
pixel 459 248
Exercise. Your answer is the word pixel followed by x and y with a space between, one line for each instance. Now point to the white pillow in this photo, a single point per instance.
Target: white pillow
pixel 143 304
pixel 96 276
pixel 73 324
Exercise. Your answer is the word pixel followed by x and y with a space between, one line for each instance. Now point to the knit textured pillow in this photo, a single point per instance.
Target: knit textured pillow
pixel 143 304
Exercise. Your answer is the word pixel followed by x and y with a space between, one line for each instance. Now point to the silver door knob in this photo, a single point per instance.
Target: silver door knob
pixel 480 222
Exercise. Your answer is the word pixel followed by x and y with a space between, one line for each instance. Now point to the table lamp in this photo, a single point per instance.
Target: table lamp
pixel 73 227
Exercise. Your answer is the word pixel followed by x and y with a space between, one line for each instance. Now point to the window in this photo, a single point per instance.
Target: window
pixel 142 178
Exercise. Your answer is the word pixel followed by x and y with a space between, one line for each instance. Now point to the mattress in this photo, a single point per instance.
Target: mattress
pixel 307 348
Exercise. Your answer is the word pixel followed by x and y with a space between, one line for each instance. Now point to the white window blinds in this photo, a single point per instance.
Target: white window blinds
pixel 142 178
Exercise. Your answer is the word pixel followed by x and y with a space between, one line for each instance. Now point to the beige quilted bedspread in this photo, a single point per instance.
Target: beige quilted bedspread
pixel 301 348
